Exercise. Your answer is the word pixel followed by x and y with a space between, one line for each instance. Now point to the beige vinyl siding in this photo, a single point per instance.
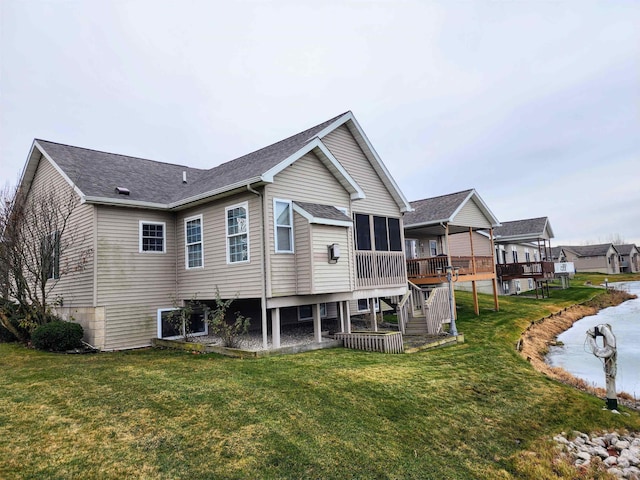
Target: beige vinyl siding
pixel 306 180
pixel 241 279
pixel 470 215
pixel 303 271
pixel 460 245
pixel 75 286
pixel 133 285
pixel 330 277
pixel 378 200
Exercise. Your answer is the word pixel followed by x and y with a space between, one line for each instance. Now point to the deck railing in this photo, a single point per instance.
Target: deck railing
pixel 524 270
pixel 435 266
pixel 375 269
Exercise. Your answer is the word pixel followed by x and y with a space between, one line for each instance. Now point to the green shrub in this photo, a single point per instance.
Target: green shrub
pixel 57 336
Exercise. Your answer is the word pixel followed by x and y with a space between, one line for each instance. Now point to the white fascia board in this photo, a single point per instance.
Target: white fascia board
pixel 442 222
pixel 374 158
pixel 120 202
pixel 483 207
pixel 333 165
pixel 321 221
pixel 549 229
pixel 217 191
pixel 343 176
pixel 30 168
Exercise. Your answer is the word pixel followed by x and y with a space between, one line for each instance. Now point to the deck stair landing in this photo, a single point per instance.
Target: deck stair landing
pixel 424 313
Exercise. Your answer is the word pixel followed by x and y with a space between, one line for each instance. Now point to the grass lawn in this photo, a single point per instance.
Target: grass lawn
pixel 476 410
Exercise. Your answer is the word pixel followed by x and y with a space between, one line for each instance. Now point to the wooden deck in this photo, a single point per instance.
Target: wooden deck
pixel 431 271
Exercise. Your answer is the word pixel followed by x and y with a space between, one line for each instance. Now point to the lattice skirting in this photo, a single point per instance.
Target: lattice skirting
pixel 384 342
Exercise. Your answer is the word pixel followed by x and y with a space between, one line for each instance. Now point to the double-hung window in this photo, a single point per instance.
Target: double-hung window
pixel 194 252
pixel 283 215
pixel 237 225
pixel 152 237
pixel 50 255
pixel 433 248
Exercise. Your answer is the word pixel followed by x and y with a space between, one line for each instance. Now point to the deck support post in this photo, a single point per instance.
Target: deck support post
pixel 265 340
pixel 496 305
pixel 317 325
pixel 341 316
pixel 347 315
pixel 275 328
pixel 375 313
pixel 476 305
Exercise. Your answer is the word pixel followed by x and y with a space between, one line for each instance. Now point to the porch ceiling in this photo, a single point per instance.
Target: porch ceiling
pixel 435 229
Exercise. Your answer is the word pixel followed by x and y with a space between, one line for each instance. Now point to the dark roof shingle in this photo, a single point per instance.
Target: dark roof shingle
pixel 435 209
pixel 97 174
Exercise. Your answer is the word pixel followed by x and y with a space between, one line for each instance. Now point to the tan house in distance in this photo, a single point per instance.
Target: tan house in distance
pixel 601 258
pixel 310 226
pixel 629 258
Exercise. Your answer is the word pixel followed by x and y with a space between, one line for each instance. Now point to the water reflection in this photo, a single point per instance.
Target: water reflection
pixel 576 357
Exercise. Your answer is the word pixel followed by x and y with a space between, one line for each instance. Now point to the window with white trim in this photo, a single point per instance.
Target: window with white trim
pixel 433 248
pixel 514 252
pixel 283 217
pixel 50 255
pixel 152 237
pixel 194 252
pixel 364 306
pixel 237 225
pixel 527 255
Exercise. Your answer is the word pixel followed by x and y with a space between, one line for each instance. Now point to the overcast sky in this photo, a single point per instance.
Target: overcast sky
pixel 535 104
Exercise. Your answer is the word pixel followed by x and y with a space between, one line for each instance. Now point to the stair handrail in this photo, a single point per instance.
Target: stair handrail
pixel 437 310
pixel 413 296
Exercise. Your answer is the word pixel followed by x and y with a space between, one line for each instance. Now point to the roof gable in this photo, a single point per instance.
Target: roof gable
pixel 160 185
pixel 600 250
pixel 523 230
pixel 445 208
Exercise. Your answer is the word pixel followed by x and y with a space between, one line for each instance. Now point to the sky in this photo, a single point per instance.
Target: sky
pixel 535 104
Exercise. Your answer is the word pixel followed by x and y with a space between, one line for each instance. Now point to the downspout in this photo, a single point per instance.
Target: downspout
pixel 263 274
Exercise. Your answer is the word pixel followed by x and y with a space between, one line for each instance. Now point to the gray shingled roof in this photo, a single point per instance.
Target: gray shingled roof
pixel 625 249
pixel 97 174
pixel 328 212
pixel 599 250
pixel 435 209
pixel 531 227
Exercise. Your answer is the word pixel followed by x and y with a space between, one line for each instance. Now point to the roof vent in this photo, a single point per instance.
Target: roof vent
pixel 184 176
pixel 122 191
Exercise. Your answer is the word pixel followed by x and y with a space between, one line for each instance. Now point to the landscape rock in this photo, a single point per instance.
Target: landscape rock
pixel 620 452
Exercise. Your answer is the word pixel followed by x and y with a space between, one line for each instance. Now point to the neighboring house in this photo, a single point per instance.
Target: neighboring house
pixel 629 258
pixel 444 231
pixel 524 255
pixel 601 258
pixel 308 227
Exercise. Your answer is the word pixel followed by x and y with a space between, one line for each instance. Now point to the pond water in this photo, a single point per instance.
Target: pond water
pixel 576 357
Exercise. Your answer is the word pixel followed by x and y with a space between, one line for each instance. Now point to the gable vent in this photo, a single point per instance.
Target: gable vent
pixel 122 191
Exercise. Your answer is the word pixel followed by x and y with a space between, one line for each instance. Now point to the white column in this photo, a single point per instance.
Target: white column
pixel 375 313
pixel 265 341
pixel 317 326
pixel 347 315
pixel 341 316
pixel 275 328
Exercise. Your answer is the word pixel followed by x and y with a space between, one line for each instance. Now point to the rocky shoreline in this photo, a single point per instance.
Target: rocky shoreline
pixel 618 453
